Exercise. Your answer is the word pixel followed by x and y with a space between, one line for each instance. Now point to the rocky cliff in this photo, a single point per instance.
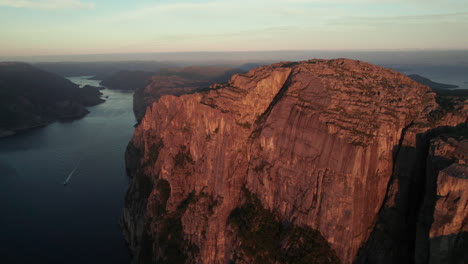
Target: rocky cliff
pixel 442 228
pixel 177 81
pixel 288 163
pixel 30 97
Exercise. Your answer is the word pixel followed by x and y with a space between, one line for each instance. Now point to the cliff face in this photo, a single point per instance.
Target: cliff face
pixel 30 97
pixel 402 228
pixel 289 163
pixel 401 232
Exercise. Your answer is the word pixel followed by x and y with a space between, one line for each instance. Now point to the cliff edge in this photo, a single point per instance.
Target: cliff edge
pixel 288 163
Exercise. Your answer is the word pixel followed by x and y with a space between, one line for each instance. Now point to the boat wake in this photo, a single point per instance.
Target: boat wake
pixel 69 176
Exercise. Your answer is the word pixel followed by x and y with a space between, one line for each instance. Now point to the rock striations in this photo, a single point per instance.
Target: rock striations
pixel 288 163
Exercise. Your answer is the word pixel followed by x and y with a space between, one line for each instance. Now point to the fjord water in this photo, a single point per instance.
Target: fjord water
pixel 43 221
pixel 448 74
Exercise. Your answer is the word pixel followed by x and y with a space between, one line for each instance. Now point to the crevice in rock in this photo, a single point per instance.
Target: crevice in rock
pixel 395 155
pixel 424 216
pixel 401 232
pixel 263 117
pixel 416 192
pixel 400 144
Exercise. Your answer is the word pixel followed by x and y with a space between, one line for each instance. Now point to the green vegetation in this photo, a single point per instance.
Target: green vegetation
pixel 153 152
pixel 30 97
pixel 183 157
pixel 459 132
pixel 244 125
pixel 450 103
pixel 265 239
pixel 261 167
pixel 289 64
pixel 171 241
pixel 174 246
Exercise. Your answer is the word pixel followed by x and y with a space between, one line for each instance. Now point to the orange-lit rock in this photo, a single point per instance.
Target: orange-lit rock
pixel 314 141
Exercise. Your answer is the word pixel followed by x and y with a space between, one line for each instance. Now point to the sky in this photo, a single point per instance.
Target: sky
pixel 62 27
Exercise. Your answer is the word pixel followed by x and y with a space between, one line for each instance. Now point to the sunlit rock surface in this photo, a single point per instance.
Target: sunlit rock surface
pixel 288 152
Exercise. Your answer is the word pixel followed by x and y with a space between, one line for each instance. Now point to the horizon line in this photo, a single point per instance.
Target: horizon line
pixel 236 51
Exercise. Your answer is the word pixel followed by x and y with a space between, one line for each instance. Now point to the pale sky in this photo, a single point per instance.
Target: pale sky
pixel 59 27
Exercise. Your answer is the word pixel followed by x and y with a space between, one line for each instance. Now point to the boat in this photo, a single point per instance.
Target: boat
pixel 69 176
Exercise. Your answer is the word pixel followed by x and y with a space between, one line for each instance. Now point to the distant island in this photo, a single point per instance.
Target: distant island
pixel 30 97
pixel 434 85
pixel 441 89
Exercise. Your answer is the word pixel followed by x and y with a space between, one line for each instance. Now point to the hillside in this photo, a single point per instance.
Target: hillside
pixel 30 97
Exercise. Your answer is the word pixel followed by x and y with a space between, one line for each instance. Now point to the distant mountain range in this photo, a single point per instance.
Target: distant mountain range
pixel 428 82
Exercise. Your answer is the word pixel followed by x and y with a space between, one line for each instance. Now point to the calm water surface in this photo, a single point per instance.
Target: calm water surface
pixel 43 221
pixel 448 74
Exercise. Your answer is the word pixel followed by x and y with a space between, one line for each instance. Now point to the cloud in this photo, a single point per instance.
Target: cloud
pixel 46 4
pixel 258 32
pixel 221 11
pixel 415 17
pixel 460 18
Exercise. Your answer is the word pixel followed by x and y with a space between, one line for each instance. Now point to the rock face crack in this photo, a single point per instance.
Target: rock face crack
pixel 407 215
pixel 260 121
pixel 397 151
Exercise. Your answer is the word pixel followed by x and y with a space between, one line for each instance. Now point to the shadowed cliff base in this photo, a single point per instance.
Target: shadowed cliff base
pixel 450 248
pixel 401 233
pixel 263 238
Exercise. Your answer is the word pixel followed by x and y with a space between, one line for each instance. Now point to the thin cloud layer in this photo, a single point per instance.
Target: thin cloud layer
pixel 46 4
pixel 221 25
